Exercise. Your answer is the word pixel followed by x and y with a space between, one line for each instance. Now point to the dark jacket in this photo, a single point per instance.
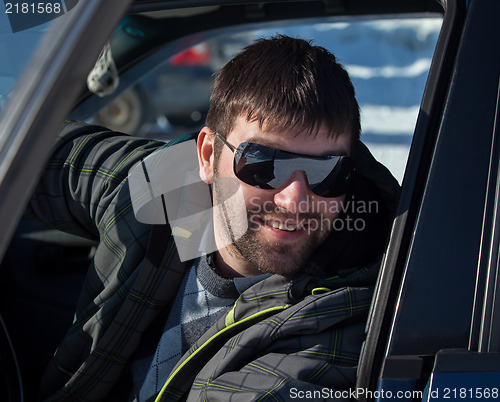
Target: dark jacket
pixel 283 335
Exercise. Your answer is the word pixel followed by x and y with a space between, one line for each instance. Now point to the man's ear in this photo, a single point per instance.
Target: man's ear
pixel 205 146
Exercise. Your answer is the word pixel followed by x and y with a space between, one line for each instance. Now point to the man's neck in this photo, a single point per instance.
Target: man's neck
pixel 229 265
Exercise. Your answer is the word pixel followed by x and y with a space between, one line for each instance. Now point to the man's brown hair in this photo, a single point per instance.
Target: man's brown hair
pixel 285 83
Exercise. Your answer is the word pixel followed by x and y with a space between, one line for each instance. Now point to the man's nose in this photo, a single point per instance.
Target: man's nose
pixel 295 195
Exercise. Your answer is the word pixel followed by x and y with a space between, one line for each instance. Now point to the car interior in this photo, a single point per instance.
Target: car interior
pixel 162 49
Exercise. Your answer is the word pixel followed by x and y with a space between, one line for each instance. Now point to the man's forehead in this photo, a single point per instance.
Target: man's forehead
pixel 319 140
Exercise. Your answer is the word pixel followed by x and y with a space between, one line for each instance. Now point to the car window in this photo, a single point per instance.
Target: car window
pixel 16 48
pixel 22 26
pixel 388 60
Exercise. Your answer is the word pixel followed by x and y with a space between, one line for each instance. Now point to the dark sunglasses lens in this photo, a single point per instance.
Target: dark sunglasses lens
pixel 268 168
pixel 338 181
pixel 254 165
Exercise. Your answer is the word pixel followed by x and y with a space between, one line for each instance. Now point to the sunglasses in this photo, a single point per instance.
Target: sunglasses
pixel 269 168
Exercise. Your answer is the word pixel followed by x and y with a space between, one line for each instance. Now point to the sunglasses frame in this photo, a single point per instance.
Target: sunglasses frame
pixel 320 189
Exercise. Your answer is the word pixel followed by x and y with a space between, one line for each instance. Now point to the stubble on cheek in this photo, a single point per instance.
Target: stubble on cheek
pixel 254 246
pixel 273 256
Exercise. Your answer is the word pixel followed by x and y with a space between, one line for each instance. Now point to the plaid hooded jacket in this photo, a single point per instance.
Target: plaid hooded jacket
pixel 282 338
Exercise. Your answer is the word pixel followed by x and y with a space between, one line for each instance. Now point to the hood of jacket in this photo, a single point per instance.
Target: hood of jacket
pixel 361 232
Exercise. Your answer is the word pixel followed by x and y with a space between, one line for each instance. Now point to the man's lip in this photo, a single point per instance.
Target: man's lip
pixel 282 233
pixel 284 224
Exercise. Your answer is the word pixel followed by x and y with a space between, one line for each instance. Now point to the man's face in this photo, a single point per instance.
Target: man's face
pixel 285 225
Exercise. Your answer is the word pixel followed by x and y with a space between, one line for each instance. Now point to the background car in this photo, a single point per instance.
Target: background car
pixel 434 322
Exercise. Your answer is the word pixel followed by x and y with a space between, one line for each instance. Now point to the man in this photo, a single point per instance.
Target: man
pixel 276 310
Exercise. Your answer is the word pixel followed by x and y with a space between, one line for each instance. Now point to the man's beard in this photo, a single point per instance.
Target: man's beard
pixel 274 256
pixel 284 258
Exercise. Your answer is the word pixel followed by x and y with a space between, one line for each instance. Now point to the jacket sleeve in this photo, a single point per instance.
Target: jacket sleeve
pixel 84 190
pixel 78 191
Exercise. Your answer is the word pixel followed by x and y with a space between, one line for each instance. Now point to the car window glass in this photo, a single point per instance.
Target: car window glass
pixel 20 34
pixel 388 60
